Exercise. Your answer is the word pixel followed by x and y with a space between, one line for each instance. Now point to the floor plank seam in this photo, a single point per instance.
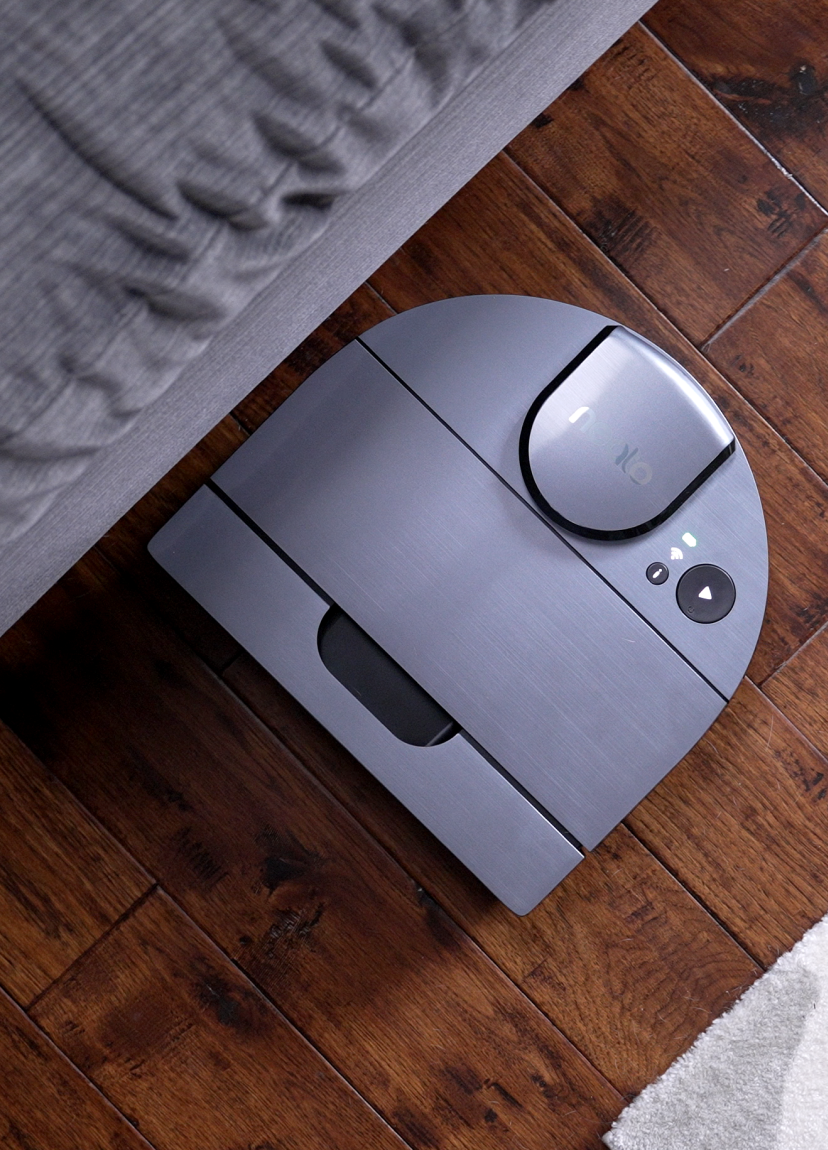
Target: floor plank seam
pixel 698 343
pixel 88 814
pixel 280 1010
pixel 245 427
pixel 379 294
pixel 809 743
pixel 605 254
pixel 761 291
pixel 113 926
pixel 236 413
pixel 719 103
pixel 589 240
pixel 477 946
pixel 696 898
pixel 803 459
pixel 93 1086
pixel 699 346
pixel 806 643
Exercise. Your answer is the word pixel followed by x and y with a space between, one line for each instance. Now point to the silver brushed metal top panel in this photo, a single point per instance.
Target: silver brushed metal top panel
pixel 480 361
pixel 461 583
pixel 451 788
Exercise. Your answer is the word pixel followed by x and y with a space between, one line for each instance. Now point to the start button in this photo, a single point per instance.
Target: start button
pixel 705 593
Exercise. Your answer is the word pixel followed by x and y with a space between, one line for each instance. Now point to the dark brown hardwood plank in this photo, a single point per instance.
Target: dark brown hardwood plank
pixel 45 1103
pixel 356 315
pixel 472 245
pixel 125 544
pixel 63 879
pixel 629 965
pixel 800 689
pixel 664 181
pixel 767 61
pixel 774 353
pixel 180 1041
pixel 743 822
pixel 359 957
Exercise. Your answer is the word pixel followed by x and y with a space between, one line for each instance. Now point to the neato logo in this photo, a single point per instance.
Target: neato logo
pixel 601 433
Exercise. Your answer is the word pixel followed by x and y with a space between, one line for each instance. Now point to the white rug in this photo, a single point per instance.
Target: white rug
pixel 757 1079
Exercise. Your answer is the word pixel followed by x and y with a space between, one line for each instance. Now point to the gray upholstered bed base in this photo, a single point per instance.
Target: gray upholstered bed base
pixel 545 58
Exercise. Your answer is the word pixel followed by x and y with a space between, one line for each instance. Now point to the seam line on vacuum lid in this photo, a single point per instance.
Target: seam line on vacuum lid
pixel 265 538
pixel 521 789
pixel 541 518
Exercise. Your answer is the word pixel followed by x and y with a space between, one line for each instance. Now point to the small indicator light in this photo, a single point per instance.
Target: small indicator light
pixel 689 539
pixel 576 415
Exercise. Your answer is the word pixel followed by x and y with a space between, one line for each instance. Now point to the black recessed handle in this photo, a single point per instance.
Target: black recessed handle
pixel 380 684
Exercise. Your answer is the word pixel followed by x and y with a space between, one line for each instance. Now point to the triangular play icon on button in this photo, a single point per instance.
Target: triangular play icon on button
pixel 705 593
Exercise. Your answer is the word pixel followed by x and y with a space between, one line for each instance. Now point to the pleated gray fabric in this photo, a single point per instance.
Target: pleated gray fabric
pixel 161 161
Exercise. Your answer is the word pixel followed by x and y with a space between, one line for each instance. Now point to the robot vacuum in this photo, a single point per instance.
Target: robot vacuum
pixel 509 553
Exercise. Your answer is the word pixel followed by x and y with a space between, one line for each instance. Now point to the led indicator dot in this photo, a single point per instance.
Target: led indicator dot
pixel 689 539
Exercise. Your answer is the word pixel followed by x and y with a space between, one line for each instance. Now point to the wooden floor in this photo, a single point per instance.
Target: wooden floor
pixel 217 932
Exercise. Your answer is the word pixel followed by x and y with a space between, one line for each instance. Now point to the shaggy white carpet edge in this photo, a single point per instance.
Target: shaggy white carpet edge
pixel 756 1079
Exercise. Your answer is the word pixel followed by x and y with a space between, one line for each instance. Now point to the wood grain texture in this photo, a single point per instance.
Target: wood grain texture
pixel 125 544
pixel 472 245
pixel 45 1103
pixel 185 1045
pixel 767 61
pixel 63 880
pixel 360 958
pixel 664 181
pixel 743 822
pixel 800 689
pixel 774 352
pixel 357 314
pixel 625 961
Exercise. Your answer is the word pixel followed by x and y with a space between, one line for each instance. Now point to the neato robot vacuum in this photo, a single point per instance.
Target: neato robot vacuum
pixel 509 554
